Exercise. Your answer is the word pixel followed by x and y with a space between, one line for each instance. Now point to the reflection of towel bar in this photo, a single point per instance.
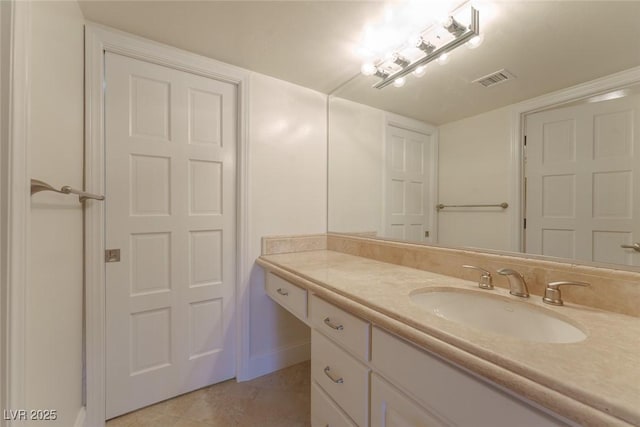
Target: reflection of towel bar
pixel 503 205
pixel 37 186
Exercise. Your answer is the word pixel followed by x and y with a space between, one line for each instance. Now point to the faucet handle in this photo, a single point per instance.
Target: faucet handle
pixel 552 293
pixel 485 281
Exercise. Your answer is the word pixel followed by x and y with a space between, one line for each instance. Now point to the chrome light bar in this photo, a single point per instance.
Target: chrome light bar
pixel 472 31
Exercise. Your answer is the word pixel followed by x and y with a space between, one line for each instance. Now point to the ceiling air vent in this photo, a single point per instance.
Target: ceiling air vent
pixel 493 79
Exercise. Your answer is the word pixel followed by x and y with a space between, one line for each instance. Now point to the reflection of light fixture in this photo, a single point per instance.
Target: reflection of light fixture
pixel 443 59
pixel 368 69
pixel 399 82
pixel 610 95
pixel 405 60
pixel 420 71
pixel 475 41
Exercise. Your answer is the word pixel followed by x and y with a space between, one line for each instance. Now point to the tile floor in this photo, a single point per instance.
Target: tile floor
pixel 280 399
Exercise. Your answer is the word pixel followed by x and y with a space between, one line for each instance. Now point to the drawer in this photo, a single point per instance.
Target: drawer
pixel 325 412
pixel 445 389
pixel 346 329
pixel 288 295
pixel 341 376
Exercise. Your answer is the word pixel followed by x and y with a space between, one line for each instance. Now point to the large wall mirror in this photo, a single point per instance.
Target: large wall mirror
pixel 562 77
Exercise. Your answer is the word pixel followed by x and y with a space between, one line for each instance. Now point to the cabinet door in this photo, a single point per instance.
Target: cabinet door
pixel 391 408
pixel 325 412
pixel 449 390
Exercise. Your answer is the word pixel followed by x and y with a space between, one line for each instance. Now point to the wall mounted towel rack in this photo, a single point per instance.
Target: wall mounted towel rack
pixel 37 186
pixel 503 205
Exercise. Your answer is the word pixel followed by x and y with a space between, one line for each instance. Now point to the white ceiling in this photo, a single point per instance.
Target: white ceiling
pixel 548 45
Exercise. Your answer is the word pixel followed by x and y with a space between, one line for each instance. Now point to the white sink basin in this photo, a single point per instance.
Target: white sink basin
pixel 497 314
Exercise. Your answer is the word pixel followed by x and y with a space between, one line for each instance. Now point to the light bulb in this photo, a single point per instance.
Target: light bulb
pixel 475 41
pixel 399 82
pixel 443 59
pixel 420 71
pixel 368 69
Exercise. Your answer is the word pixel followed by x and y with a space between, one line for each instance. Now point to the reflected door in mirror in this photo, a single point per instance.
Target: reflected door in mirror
pixel 583 181
pixel 408 206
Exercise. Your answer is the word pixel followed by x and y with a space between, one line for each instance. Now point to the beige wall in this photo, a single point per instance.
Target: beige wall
pixel 55 287
pixel 356 166
pixel 288 195
pixel 474 157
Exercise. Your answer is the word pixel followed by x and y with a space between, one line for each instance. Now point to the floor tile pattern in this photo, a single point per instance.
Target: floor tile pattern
pixel 280 399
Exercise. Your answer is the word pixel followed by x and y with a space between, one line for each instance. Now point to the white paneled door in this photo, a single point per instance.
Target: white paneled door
pixel 170 183
pixel 407 185
pixel 583 181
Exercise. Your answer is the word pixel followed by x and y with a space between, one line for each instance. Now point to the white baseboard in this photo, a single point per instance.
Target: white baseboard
pixel 81 417
pixel 281 358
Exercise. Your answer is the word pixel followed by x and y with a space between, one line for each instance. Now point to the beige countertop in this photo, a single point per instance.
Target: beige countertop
pixel 593 382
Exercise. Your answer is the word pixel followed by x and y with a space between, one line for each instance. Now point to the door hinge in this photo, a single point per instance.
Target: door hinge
pixel 426 234
pixel 525 223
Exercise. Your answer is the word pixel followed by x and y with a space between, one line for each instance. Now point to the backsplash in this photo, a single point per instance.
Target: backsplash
pixel 611 290
pixel 286 244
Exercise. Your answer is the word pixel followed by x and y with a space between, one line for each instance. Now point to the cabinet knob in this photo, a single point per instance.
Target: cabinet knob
pixel 282 292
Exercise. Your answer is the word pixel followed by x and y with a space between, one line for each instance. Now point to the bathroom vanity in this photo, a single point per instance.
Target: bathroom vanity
pixel 380 357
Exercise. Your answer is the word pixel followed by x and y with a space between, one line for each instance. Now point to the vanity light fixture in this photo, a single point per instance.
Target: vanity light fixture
pixel 401 63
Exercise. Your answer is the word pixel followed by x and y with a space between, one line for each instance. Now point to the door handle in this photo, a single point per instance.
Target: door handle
pixel 635 247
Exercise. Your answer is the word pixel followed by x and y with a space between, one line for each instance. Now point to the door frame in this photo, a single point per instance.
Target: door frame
pixel 544 102
pixel 15 200
pixel 98 40
pixel 413 125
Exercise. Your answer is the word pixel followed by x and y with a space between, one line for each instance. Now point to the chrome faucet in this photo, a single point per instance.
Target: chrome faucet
pixel 517 285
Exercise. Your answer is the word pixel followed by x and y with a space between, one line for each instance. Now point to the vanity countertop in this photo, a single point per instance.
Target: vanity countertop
pixel 593 382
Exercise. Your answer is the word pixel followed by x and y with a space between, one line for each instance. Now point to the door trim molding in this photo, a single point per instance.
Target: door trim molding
pixel 15 201
pixel 551 100
pixel 98 40
pixel 413 125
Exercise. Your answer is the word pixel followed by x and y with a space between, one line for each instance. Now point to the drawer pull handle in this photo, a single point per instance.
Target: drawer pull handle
pixel 281 292
pixel 327 372
pixel 327 322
